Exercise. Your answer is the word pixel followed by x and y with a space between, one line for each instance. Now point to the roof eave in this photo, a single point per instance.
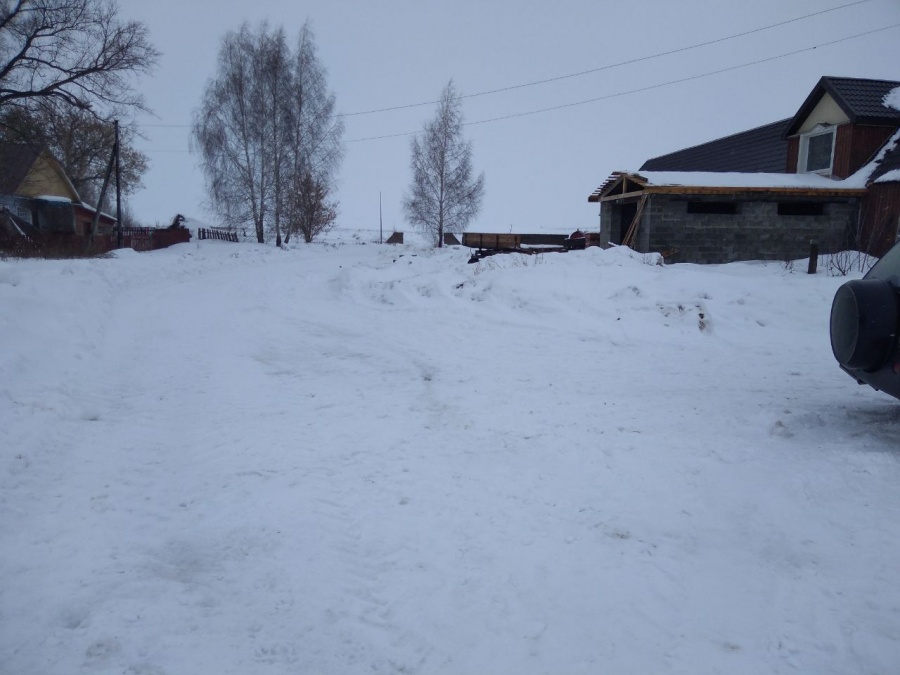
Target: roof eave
pixel 755 191
pixel 733 192
pixel 615 179
pixel 807 107
pixel 605 193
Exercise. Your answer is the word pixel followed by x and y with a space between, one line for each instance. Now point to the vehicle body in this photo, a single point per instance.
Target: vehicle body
pixel 865 325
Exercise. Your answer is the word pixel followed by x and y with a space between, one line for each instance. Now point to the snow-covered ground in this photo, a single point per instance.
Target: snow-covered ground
pixel 345 458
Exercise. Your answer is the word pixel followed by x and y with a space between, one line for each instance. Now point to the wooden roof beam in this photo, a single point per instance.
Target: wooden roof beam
pixel 621 196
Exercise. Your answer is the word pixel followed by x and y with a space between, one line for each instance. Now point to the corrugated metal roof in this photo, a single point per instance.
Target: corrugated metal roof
pixel 760 150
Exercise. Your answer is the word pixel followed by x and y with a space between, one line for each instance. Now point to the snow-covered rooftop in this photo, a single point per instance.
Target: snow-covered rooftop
pixel 889 177
pixel 892 100
pixel 865 173
pixel 54 198
pixel 744 180
pixel 700 181
pixel 92 209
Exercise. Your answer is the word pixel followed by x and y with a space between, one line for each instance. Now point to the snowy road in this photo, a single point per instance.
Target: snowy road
pixel 344 459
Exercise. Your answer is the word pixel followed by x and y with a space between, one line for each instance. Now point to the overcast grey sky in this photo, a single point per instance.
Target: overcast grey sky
pixel 539 168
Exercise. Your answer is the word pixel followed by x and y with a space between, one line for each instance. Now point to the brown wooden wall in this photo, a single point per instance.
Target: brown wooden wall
pixel 843 147
pixel 793 153
pixel 879 218
pixel 856 144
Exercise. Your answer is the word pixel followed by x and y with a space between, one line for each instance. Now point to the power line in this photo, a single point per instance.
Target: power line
pixel 607 96
pixel 610 66
pixel 630 91
pixel 688 79
pixel 647 88
pixel 590 71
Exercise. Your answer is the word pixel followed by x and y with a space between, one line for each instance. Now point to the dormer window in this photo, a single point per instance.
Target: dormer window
pixel 817 150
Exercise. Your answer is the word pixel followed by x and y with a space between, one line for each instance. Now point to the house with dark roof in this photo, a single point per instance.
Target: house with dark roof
pixel 37 193
pixel 829 174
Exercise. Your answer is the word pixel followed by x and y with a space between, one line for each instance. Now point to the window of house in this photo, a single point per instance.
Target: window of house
pixel 725 208
pixel 817 150
pixel 800 208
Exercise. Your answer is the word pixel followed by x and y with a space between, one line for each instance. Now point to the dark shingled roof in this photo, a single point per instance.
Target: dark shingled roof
pixel 16 160
pixel 861 100
pixel 759 150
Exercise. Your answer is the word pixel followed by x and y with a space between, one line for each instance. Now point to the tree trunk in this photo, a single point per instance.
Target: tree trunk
pixel 260 231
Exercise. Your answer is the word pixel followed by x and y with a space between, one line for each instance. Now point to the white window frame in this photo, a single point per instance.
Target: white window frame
pixel 820 130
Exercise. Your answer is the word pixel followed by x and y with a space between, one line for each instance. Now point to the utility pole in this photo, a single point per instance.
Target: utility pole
pixel 109 167
pixel 380 221
pixel 118 191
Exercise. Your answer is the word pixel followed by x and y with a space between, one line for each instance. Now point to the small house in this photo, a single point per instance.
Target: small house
pixel 829 174
pixel 35 190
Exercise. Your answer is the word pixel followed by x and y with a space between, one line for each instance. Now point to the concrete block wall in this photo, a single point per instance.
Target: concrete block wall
pixel 606 215
pixel 754 232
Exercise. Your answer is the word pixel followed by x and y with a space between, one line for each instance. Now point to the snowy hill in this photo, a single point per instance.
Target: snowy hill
pixel 345 458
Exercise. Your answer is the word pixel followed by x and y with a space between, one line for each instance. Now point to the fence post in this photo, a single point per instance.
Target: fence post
pixel 813 257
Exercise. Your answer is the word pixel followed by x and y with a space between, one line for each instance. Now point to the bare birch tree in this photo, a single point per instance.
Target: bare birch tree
pixel 265 124
pixel 229 131
pixel 443 197
pixel 313 140
pixel 276 87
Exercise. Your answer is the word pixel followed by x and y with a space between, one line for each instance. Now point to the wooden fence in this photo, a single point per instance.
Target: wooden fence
pixel 204 233
pixel 151 238
pixel 34 242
